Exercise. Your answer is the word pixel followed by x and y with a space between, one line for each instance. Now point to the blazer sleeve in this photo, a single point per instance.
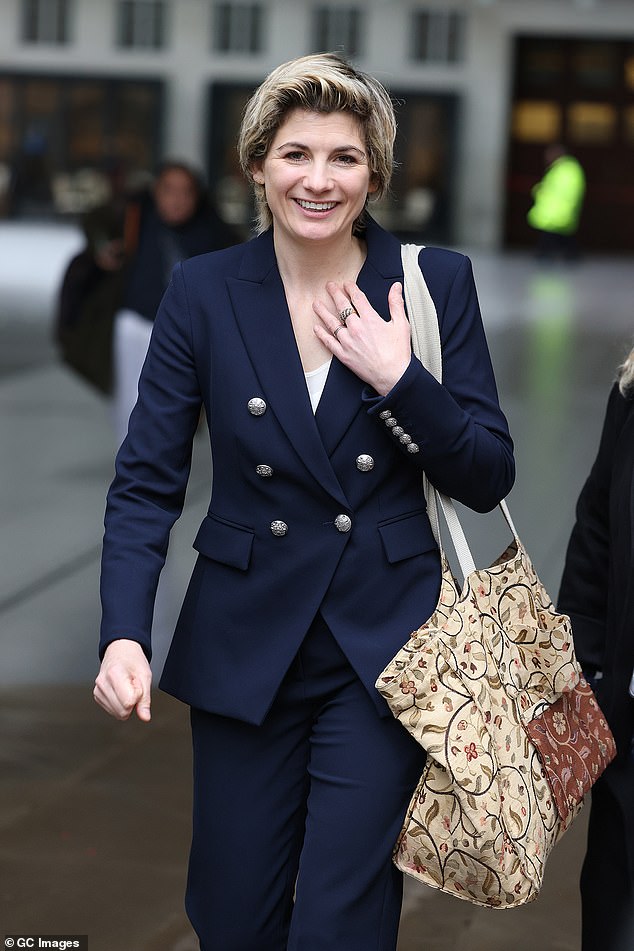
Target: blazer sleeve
pixel 584 586
pixel 151 474
pixel 463 440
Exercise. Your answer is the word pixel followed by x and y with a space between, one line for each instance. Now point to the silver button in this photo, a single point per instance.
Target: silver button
pixel 365 463
pixel 390 422
pixel 398 431
pixel 405 439
pixel 412 447
pixel 256 406
pixel 279 528
pixel 343 523
pixel 264 471
pixel 385 414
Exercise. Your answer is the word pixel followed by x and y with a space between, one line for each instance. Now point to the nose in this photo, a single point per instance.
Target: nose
pixel 318 177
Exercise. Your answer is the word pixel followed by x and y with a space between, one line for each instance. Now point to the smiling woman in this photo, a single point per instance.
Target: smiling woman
pixel 321 84
pixel 316 171
pixel 317 141
pixel 316 557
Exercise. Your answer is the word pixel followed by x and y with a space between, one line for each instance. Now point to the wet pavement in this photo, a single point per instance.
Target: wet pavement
pixel 94 815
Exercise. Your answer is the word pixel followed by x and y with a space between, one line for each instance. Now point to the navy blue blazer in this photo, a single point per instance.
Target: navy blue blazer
pixel 222 337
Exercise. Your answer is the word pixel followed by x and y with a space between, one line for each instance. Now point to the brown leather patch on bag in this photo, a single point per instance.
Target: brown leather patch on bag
pixel 574 744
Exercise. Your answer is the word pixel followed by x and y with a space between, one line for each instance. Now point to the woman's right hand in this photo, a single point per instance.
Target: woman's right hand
pixel 124 680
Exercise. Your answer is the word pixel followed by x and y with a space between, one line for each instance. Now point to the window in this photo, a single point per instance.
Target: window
pixel 541 65
pixel 536 121
pixel 438 36
pixel 61 133
pixel 141 24
pixel 237 27
pixel 592 123
pixel 338 28
pixel 45 21
pixel 596 65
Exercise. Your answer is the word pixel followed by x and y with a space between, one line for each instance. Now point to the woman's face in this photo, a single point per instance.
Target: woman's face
pixel 316 175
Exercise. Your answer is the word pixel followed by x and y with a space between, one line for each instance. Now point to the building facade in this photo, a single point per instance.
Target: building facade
pixel 482 86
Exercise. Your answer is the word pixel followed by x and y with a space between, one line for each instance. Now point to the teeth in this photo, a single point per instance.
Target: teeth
pixel 316 205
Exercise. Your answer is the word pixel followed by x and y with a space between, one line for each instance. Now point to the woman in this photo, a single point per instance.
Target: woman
pixel 597 591
pixel 173 221
pixel 316 558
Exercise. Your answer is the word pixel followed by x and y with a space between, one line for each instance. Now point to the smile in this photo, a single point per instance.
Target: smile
pixel 316 205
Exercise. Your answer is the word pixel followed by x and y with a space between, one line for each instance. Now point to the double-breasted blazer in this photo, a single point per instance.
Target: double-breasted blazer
pixel 309 512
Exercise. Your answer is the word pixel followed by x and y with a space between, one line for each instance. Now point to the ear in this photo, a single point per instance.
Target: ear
pixel 373 185
pixel 257 174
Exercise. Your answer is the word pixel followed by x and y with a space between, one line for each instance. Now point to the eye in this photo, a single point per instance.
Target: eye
pixel 346 159
pixel 295 156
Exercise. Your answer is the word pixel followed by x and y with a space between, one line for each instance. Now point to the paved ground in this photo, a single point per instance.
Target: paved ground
pixel 94 815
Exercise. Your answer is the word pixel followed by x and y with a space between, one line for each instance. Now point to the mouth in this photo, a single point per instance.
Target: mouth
pixel 316 205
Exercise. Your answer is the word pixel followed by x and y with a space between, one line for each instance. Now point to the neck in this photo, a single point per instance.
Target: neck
pixel 312 265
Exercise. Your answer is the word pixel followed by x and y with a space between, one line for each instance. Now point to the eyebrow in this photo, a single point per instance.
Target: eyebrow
pixel 303 147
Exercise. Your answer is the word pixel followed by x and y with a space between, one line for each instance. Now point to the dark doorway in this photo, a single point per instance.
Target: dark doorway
pixel 579 92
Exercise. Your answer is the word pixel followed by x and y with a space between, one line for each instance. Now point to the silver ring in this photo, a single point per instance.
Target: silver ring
pixel 345 313
pixel 335 332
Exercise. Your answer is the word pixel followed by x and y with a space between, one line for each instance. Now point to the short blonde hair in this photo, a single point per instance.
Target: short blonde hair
pixel 322 82
pixel 625 375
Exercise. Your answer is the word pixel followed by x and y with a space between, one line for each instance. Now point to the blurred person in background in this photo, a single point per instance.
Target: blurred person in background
pixel 557 203
pixel 316 557
pixel 112 288
pixel 597 591
pixel 176 220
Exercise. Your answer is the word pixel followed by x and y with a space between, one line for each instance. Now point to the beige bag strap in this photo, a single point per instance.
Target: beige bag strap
pixel 422 312
pixel 426 345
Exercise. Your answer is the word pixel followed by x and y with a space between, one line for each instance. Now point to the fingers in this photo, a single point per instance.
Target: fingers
pixel 339 315
pixel 348 305
pixel 124 681
pixel 395 302
pixel 119 692
pixel 143 706
pixel 359 301
pixel 377 350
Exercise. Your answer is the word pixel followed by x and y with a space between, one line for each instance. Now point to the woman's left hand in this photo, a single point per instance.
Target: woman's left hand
pixel 378 351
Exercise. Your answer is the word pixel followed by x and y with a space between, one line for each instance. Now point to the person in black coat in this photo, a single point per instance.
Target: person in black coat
pixel 597 591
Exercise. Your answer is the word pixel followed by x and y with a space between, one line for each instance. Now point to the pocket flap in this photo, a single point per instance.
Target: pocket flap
pixel 225 541
pixel 406 536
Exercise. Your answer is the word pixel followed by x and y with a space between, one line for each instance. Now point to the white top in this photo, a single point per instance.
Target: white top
pixel 315 381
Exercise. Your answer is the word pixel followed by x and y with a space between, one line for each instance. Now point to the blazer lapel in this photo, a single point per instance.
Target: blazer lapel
pixel 341 400
pixel 261 312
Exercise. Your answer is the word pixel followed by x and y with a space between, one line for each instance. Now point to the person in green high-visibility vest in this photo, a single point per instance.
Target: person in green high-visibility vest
pixel 557 203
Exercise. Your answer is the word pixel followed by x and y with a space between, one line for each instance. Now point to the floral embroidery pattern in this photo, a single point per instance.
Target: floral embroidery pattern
pixel 468 685
pixel 574 748
pixel 471 752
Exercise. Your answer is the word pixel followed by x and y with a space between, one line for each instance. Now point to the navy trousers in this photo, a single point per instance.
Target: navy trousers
pixel 295 820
